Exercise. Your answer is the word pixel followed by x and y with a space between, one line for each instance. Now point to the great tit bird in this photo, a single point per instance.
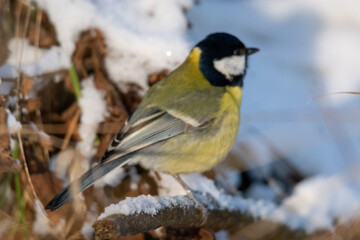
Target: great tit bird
pixel 185 123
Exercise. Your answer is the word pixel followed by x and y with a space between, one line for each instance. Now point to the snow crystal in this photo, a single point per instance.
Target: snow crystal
pixel 144 204
pixel 202 186
pixel 198 182
pixel 314 205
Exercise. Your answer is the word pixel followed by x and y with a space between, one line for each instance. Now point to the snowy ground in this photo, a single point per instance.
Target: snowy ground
pixel 307 49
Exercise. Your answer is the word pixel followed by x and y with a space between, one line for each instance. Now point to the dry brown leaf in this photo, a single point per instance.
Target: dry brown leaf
pixel 156 77
pixel 139 236
pixel 32 104
pixel 47 33
pixel 206 234
pixel 132 97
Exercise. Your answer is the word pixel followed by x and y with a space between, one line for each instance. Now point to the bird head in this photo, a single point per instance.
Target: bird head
pixel 223 59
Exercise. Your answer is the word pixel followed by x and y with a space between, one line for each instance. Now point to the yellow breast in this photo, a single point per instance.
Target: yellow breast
pixel 200 150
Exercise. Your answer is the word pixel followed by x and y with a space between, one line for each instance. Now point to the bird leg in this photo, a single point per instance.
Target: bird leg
pixel 190 194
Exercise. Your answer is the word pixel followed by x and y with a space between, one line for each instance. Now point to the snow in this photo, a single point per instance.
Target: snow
pixel 33 61
pixel 62 162
pixel 314 205
pixel 201 186
pixel 113 178
pixel 42 225
pixel 316 202
pixel 260 191
pixel 93 111
pixel 135 178
pixel 13 125
pixel 167 184
pixel 142 37
pixel 91 216
pixel 199 183
pixel 144 204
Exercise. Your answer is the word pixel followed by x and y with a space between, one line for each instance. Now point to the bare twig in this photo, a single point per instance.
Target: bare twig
pixel 28 174
pixel 42 75
pixel 332 93
pixel 37 31
pixel 71 129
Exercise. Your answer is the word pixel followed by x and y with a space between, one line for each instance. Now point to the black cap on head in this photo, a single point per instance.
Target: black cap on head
pixel 218 46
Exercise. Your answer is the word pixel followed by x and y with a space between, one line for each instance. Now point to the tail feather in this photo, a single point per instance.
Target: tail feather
pixel 85 181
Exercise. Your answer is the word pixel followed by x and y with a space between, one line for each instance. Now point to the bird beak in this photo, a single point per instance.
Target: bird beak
pixel 250 51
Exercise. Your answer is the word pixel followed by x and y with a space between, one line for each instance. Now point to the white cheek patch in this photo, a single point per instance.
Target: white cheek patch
pixel 230 66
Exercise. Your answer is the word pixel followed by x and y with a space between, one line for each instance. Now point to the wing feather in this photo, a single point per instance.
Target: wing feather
pixel 155 129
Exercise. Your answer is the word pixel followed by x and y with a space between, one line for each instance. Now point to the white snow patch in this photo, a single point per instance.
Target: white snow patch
pixel 13 125
pixel 68 165
pixel 93 111
pixel 135 178
pixel 320 201
pixel 316 203
pixel 42 226
pixel 198 182
pixel 167 184
pixel 91 215
pixel 116 176
pixel 113 178
pixel 145 204
pixel 142 37
pixel 33 61
pixel 261 191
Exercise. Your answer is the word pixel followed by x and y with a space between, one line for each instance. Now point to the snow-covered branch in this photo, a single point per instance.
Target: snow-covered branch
pixel 144 213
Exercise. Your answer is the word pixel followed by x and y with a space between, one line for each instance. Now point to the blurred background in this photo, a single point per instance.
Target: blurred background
pixel 73 71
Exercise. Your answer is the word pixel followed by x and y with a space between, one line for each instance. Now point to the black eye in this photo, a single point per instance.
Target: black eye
pixel 238 52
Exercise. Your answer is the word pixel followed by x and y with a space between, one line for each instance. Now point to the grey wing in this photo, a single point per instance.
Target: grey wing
pixel 154 127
